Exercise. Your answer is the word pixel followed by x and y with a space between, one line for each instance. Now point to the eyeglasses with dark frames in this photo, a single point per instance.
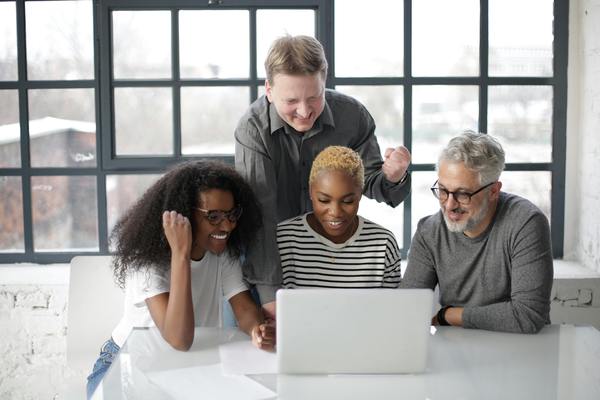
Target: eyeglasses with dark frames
pixel 460 196
pixel 215 217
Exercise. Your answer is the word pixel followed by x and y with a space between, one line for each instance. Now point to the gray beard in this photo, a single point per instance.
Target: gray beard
pixel 469 224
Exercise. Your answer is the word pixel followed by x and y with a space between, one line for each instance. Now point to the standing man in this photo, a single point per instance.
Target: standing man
pixel 281 133
pixel 489 251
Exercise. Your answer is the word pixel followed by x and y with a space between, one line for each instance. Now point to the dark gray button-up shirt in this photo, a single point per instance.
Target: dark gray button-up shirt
pixel 276 161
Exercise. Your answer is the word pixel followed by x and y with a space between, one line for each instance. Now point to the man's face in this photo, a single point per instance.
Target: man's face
pixel 472 218
pixel 298 99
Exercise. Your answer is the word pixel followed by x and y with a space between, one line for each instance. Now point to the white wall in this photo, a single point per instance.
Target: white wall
pixel 582 215
pixel 33 327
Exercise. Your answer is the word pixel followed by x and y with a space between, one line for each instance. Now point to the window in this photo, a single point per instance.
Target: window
pixel 429 69
pixel 128 88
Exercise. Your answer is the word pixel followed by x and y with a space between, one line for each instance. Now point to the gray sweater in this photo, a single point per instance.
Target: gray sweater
pixel 502 278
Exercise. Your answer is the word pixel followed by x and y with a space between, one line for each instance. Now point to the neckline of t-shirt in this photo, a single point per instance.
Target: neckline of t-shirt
pixel 328 242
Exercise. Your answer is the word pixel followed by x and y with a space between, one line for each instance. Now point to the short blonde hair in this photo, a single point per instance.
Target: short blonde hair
pixel 339 158
pixel 296 55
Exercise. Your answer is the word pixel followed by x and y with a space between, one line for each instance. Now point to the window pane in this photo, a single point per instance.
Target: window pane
pixel 143 121
pixel 122 191
pixel 209 117
pixel 520 37
pixel 439 114
pixel 384 215
pixel 386 105
pixel 60 41
pixel 445 38
pixel 10 130
pixel 423 201
pixel 11 215
pixel 375 51
pixel 535 186
pixel 141 44
pixel 272 24
pixel 8 42
pixel 214 44
pixel 521 118
pixel 62 129
pixel 65 213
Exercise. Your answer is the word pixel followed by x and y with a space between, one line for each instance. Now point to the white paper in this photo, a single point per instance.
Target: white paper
pixel 208 382
pixel 242 358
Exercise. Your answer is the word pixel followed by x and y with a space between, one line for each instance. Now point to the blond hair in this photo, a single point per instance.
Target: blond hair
pixel 295 55
pixel 339 158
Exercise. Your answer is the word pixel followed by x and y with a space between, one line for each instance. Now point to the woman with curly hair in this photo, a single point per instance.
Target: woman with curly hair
pixel 333 246
pixel 177 255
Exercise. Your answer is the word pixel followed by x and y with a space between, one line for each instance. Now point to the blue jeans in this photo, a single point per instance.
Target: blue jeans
pixel 108 353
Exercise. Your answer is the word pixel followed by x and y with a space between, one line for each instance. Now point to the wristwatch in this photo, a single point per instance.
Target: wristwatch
pixel 441 316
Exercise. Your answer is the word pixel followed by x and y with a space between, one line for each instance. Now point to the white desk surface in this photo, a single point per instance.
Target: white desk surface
pixel 561 362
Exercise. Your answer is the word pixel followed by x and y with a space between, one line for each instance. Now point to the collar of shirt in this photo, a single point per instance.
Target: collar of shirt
pixel 326 118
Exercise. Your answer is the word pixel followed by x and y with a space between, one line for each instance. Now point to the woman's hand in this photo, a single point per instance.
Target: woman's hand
pixel 178 231
pixel 263 336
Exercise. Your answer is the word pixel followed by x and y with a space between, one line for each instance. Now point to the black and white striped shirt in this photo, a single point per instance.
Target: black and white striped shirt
pixel 369 259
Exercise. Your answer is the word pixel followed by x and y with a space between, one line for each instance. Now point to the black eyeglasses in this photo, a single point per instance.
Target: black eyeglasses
pixel 215 217
pixel 459 196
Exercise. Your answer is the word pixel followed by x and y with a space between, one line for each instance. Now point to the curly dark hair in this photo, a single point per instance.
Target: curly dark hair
pixel 139 236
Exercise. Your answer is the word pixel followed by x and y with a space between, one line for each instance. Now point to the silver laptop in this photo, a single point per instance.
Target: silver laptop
pixel 361 331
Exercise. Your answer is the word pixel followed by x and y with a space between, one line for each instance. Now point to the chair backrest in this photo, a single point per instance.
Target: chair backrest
pixel 95 306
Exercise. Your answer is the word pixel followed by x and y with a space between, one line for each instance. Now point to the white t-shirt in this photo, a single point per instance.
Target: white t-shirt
pixel 215 278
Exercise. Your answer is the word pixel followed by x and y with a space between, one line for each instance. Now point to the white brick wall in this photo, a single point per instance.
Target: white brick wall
pixel 33 326
pixel 587 55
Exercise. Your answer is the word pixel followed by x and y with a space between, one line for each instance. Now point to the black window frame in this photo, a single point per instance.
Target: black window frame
pixel 103 85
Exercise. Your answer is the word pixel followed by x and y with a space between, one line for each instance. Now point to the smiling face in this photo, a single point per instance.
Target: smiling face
pixel 473 218
pixel 208 237
pixel 335 196
pixel 298 99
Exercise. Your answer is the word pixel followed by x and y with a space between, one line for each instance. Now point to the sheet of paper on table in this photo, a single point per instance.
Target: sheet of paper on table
pixel 208 382
pixel 242 358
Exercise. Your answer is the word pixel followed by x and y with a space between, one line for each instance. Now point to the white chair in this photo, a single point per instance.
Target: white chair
pixel 95 306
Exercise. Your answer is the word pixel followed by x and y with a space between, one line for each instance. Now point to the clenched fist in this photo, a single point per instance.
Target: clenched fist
pixel 395 163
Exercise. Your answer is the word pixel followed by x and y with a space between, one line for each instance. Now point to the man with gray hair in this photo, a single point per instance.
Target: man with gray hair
pixel 489 251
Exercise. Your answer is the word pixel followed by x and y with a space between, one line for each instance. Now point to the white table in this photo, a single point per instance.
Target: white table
pixel 561 362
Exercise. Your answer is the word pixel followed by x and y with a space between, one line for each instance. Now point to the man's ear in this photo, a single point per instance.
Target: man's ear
pixel 496 190
pixel 268 89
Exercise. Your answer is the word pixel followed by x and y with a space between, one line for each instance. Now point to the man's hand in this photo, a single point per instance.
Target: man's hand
pixel 395 163
pixel 263 336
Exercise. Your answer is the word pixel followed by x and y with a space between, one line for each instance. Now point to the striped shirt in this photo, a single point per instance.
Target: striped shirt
pixel 369 259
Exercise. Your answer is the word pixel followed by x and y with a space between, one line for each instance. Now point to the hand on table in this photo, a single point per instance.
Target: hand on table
pixel 263 336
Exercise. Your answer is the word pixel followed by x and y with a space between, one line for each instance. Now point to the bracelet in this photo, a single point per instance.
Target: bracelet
pixel 441 316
